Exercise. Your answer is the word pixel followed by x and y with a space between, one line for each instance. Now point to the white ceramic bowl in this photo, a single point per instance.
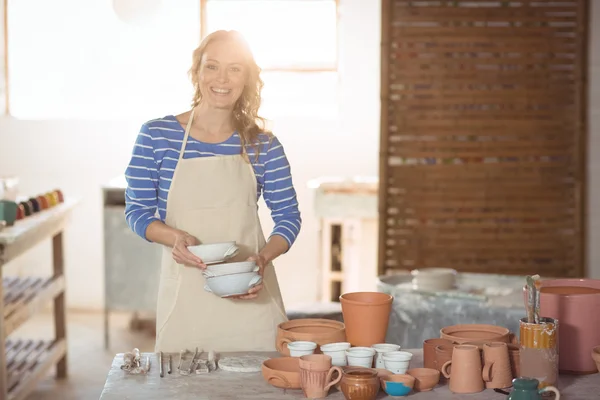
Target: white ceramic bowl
pixel 232 284
pixel 433 279
pixel 397 361
pixel 301 348
pixel 212 253
pixel 337 352
pixel 230 268
pixel 360 356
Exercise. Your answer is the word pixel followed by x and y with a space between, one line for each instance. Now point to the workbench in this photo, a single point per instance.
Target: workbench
pixel 224 385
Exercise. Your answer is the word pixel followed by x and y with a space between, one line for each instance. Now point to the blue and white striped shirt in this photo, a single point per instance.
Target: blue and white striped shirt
pixel 155 156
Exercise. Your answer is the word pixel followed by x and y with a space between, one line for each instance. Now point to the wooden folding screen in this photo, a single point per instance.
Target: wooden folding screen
pixel 483 136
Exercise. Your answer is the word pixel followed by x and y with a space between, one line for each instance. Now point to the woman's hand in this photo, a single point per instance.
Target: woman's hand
pixel 253 292
pixel 182 255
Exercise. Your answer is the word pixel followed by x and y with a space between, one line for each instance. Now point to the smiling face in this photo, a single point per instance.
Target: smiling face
pixel 223 74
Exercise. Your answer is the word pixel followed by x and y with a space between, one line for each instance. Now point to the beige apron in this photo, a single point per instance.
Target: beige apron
pixel 214 199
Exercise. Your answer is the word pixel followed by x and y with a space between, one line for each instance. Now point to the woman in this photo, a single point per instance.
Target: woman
pixel 203 171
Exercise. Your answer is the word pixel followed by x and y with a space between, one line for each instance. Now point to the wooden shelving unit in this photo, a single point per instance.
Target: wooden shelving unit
pixel 25 361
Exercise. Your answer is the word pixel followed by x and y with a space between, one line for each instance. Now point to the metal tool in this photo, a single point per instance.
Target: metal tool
pixel 193 363
pixel 160 361
pixel 169 364
pixel 180 359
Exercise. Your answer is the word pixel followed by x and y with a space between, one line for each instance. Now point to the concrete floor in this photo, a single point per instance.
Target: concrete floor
pixel 88 361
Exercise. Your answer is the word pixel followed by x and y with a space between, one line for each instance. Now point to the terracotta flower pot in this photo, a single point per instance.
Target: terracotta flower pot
pixel 366 316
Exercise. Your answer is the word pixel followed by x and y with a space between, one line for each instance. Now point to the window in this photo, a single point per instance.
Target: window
pixel 295 44
pixel 128 59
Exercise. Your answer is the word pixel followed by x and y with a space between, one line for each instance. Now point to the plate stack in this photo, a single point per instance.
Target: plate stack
pixel 222 278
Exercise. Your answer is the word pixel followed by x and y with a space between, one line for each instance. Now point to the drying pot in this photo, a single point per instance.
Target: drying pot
pixel 320 331
pixel 579 321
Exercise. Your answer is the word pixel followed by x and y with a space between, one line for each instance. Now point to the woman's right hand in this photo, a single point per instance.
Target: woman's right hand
pixel 182 255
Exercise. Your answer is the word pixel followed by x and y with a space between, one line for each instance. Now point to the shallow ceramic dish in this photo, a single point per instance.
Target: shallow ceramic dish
pixel 425 378
pixel 433 278
pixel 230 268
pixel 476 333
pixel 282 372
pixel 212 253
pixel 232 284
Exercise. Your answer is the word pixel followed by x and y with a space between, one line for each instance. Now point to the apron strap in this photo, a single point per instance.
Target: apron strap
pixel 186 135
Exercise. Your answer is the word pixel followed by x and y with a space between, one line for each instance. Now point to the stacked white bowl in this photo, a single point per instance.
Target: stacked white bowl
pixel 222 278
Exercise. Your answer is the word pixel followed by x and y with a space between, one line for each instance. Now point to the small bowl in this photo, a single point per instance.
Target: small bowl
pixel 230 268
pixel 360 356
pixel 596 356
pixel 397 384
pixel 301 348
pixel 212 253
pixel 232 284
pixel 282 372
pixel 337 352
pixel 425 378
pixel 433 279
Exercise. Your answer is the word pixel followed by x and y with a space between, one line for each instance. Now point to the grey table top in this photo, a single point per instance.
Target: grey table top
pixel 225 385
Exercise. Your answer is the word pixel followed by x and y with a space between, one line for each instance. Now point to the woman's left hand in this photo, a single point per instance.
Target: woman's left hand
pixel 261 263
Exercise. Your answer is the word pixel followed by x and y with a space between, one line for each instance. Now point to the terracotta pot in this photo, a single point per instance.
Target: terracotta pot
pixel 477 333
pixel 360 384
pixel 443 353
pixel 366 315
pixel 381 372
pixel 575 304
pixel 429 346
pixel 318 330
pixel 283 372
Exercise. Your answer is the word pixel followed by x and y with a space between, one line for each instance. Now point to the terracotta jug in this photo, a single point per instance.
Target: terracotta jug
pixel 497 373
pixel 467 372
pixel 366 316
pixel 527 389
pixel 316 375
pixel 360 384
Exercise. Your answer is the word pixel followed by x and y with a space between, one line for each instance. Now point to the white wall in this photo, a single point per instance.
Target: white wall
pixel 80 156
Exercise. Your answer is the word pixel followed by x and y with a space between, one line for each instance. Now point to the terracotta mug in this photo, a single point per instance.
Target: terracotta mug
pixel 466 370
pixel 316 375
pixel 429 346
pixel 497 373
pixel 443 353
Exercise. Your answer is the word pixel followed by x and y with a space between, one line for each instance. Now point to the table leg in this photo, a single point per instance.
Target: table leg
pixel 59 302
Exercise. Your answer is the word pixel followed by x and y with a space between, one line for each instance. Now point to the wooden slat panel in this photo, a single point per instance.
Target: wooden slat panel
pixel 482 135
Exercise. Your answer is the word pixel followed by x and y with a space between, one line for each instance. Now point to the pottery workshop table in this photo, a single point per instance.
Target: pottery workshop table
pixel 224 385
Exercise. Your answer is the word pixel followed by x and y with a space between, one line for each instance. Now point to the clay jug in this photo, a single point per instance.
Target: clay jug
pixel 527 389
pixel 316 375
pixel 497 373
pixel 366 316
pixel 466 374
pixel 360 384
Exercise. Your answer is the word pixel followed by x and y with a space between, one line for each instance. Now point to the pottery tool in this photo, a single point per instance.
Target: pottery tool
pixel 169 364
pixel 132 362
pixel 193 363
pixel 536 297
pixel 180 359
pixel 160 363
pixel 530 299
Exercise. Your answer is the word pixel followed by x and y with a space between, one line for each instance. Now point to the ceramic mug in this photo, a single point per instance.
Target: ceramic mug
pixel 301 348
pixel 360 356
pixel 337 352
pixel 397 361
pixel 317 375
pixel 527 389
pixel 382 348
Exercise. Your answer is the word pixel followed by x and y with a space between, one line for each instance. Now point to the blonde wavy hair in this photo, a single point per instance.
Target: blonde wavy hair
pixel 245 116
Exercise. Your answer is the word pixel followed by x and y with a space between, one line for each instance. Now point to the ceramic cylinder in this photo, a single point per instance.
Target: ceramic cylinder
pixel 539 350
